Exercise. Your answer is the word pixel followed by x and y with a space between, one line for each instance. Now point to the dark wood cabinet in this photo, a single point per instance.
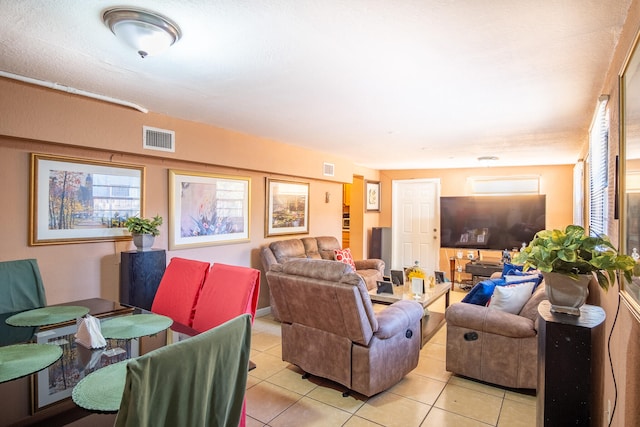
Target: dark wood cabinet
pixel 140 275
pixel 570 367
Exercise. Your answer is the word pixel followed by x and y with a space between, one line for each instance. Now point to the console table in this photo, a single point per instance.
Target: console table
pixel 482 270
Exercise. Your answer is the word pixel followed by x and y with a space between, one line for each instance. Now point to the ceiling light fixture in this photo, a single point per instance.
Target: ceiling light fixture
pixel 147 32
pixel 487 160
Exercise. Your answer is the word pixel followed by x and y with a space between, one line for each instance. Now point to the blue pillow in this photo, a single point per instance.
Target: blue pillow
pixel 509 268
pixel 481 293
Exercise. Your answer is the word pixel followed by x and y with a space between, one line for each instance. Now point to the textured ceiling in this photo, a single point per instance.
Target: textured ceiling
pixel 390 84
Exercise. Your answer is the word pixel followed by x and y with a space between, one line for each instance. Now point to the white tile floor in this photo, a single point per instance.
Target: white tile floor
pixel 277 396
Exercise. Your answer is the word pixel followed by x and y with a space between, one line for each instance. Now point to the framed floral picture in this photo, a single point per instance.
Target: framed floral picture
pixel 207 209
pixel 287 207
pixel 372 196
pixel 76 200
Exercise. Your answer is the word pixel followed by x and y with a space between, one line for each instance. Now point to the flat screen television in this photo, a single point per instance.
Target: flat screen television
pixel 490 222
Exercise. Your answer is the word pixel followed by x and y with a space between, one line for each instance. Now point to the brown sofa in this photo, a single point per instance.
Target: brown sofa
pixel 495 346
pixel 322 247
pixel 329 328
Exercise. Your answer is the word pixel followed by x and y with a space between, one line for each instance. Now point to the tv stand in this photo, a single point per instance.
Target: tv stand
pixel 481 270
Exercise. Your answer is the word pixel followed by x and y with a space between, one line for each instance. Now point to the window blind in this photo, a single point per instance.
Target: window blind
pixel 598 171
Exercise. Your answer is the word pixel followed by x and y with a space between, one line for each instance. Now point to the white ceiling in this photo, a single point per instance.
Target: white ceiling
pixel 390 84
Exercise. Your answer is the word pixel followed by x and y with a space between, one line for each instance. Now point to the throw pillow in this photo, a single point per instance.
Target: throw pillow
pixel 481 293
pixel 511 298
pixel 508 268
pixel 344 255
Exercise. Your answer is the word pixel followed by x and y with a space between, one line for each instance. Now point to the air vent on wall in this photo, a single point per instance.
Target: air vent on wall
pixel 328 169
pixel 158 139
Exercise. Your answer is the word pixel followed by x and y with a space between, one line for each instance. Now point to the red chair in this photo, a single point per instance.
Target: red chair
pixel 179 289
pixel 228 292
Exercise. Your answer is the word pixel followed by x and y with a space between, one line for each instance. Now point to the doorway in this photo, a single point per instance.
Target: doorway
pixel 415 231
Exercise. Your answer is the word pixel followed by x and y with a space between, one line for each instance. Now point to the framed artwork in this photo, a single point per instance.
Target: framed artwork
pixel 372 196
pixel 439 275
pixel 55 383
pixel 75 200
pixel 207 209
pixel 287 207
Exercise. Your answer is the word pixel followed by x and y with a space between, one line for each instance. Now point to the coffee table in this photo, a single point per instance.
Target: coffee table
pixel 432 321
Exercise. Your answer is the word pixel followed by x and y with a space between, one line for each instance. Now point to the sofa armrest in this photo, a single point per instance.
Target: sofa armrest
pixel 397 318
pixel 370 264
pixel 480 318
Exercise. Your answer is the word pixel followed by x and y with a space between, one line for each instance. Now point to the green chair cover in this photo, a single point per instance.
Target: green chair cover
pixel 21 286
pixel 200 381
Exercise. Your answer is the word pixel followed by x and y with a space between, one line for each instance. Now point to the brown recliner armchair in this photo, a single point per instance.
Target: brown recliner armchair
pixel 322 247
pixel 495 346
pixel 329 328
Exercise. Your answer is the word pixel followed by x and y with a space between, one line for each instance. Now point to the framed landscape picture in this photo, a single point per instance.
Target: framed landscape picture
pixel 287 207
pixel 207 209
pixel 372 196
pixel 75 200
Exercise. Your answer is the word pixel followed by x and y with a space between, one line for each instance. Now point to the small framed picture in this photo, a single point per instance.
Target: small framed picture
pixel 372 196
pixel 397 277
pixel 439 275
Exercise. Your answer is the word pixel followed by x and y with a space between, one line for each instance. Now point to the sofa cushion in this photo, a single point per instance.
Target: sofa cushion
pixel 511 298
pixel 344 255
pixel 285 250
pixel 530 309
pixel 311 247
pixel 326 246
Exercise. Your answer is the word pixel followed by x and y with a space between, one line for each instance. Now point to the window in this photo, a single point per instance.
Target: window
pixel 503 185
pixel 598 170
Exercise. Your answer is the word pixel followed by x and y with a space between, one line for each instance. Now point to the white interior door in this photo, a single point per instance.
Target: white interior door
pixel 416 224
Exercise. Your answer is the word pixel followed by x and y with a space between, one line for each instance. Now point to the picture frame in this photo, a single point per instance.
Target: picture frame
pixel 397 277
pixel 208 209
pixel 74 200
pixel 55 383
pixel 286 207
pixel 372 196
pixel 439 276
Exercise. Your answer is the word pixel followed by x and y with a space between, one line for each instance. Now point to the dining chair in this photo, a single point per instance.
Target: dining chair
pixel 200 381
pixel 21 286
pixel 179 289
pixel 228 291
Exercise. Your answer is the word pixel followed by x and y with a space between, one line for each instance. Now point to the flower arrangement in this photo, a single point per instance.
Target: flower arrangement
pixel 415 272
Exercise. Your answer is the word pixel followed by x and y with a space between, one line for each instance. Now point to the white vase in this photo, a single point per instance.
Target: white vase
pixel 566 294
pixel 143 242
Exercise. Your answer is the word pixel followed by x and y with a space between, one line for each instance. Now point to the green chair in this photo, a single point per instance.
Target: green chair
pixel 21 286
pixel 200 381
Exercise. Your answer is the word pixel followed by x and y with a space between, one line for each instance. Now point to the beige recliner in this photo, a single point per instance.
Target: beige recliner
pixel 495 346
pixel 329 328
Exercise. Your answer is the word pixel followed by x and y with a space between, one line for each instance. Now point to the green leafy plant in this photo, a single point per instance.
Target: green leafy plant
pixel 137 225
pixel 572 252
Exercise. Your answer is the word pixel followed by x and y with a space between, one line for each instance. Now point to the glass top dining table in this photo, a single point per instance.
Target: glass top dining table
pixel 46 393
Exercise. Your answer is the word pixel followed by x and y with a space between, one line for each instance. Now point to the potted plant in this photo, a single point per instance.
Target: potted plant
pixel 143 230
pixel 568 260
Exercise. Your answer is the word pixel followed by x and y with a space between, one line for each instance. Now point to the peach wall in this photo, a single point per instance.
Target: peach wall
pixel 42 114
pixel 555 181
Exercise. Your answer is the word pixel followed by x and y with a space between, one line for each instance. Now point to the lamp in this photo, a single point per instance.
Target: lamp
pixel 147 32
